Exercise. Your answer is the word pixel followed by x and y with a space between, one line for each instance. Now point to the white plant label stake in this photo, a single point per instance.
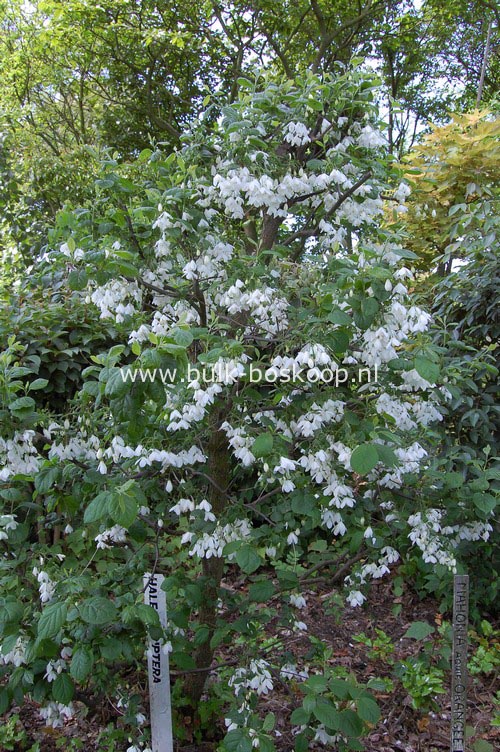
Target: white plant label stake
pixel 159 678
pixel 459 662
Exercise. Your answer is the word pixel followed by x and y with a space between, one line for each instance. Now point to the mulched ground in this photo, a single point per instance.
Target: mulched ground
pixel 401 729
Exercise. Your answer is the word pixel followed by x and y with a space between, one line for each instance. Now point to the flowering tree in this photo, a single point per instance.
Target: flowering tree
pixel 270 391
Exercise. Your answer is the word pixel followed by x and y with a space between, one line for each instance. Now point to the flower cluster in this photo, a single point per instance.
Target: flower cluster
pixel 330 411
pixel 240 442
pixel 18 455
pixel 17 656
pixel 187 505
pixel 369 138
pixel 212 544
pixel 210 264
pixel 117 299
pixel 370 571
pixel 46 585
pixel 235 189
pixel 84 448
pixel 56 714
pixel 256 677
pixel 407 415
pixel 437 541
pixel 7 522
pixel 56 667
pixel 410 459
pixel 265 309
pixel 115 534
pixel 297 134
pixel 380 344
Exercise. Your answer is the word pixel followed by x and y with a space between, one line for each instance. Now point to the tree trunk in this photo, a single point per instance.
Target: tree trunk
pixel 219 471
pixel 484 66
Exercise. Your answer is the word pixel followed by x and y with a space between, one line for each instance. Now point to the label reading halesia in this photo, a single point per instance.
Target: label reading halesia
pixel 459 662
pixel 159 678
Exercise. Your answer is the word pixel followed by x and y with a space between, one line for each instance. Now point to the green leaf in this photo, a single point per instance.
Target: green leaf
pixel 319 545
pixel 419 630
pixel 212 356
pixel 182 337
pixel 377 684
pixel 269 722
pixel 339 317
pixel 486 503
pixel 338 341
pixel 18 372
pixel 387 455
pixel 184 661
pixel 318 683
pixel 368 710
pixel 81 664
pixel 98 508
pixel 63 689
pixel 369 308
pixel 11 612
pixel 112 649
pixel 52 618
pixel 47 478
pixel 340 688
pixel 9 643
pixel 237 741
pixel 77 279
pixel 21 406
pixel 262 445
pixel 453 480
pixel 327 714
pixel 300 717
pixel 301 743
pixel 202 635
pixel 427 369
pixel 364 458
pixel 147 614
pixel 350 724
pixel 92 388
pixel 456 208
pixel 122 508
pixel 481 745
pixel 97 610
pixel 116 385
pixel 309 702
pixel 11 494
pixel 4 700
pixel 248 559
pixel 38 384
pixel 261 591
pixel 302 503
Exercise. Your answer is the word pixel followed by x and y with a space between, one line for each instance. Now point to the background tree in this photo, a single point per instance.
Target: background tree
pixel 109 75
pixel 452 168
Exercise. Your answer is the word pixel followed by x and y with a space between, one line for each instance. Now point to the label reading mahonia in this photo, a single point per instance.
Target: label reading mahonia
pixel 459 662
pixel 159 678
